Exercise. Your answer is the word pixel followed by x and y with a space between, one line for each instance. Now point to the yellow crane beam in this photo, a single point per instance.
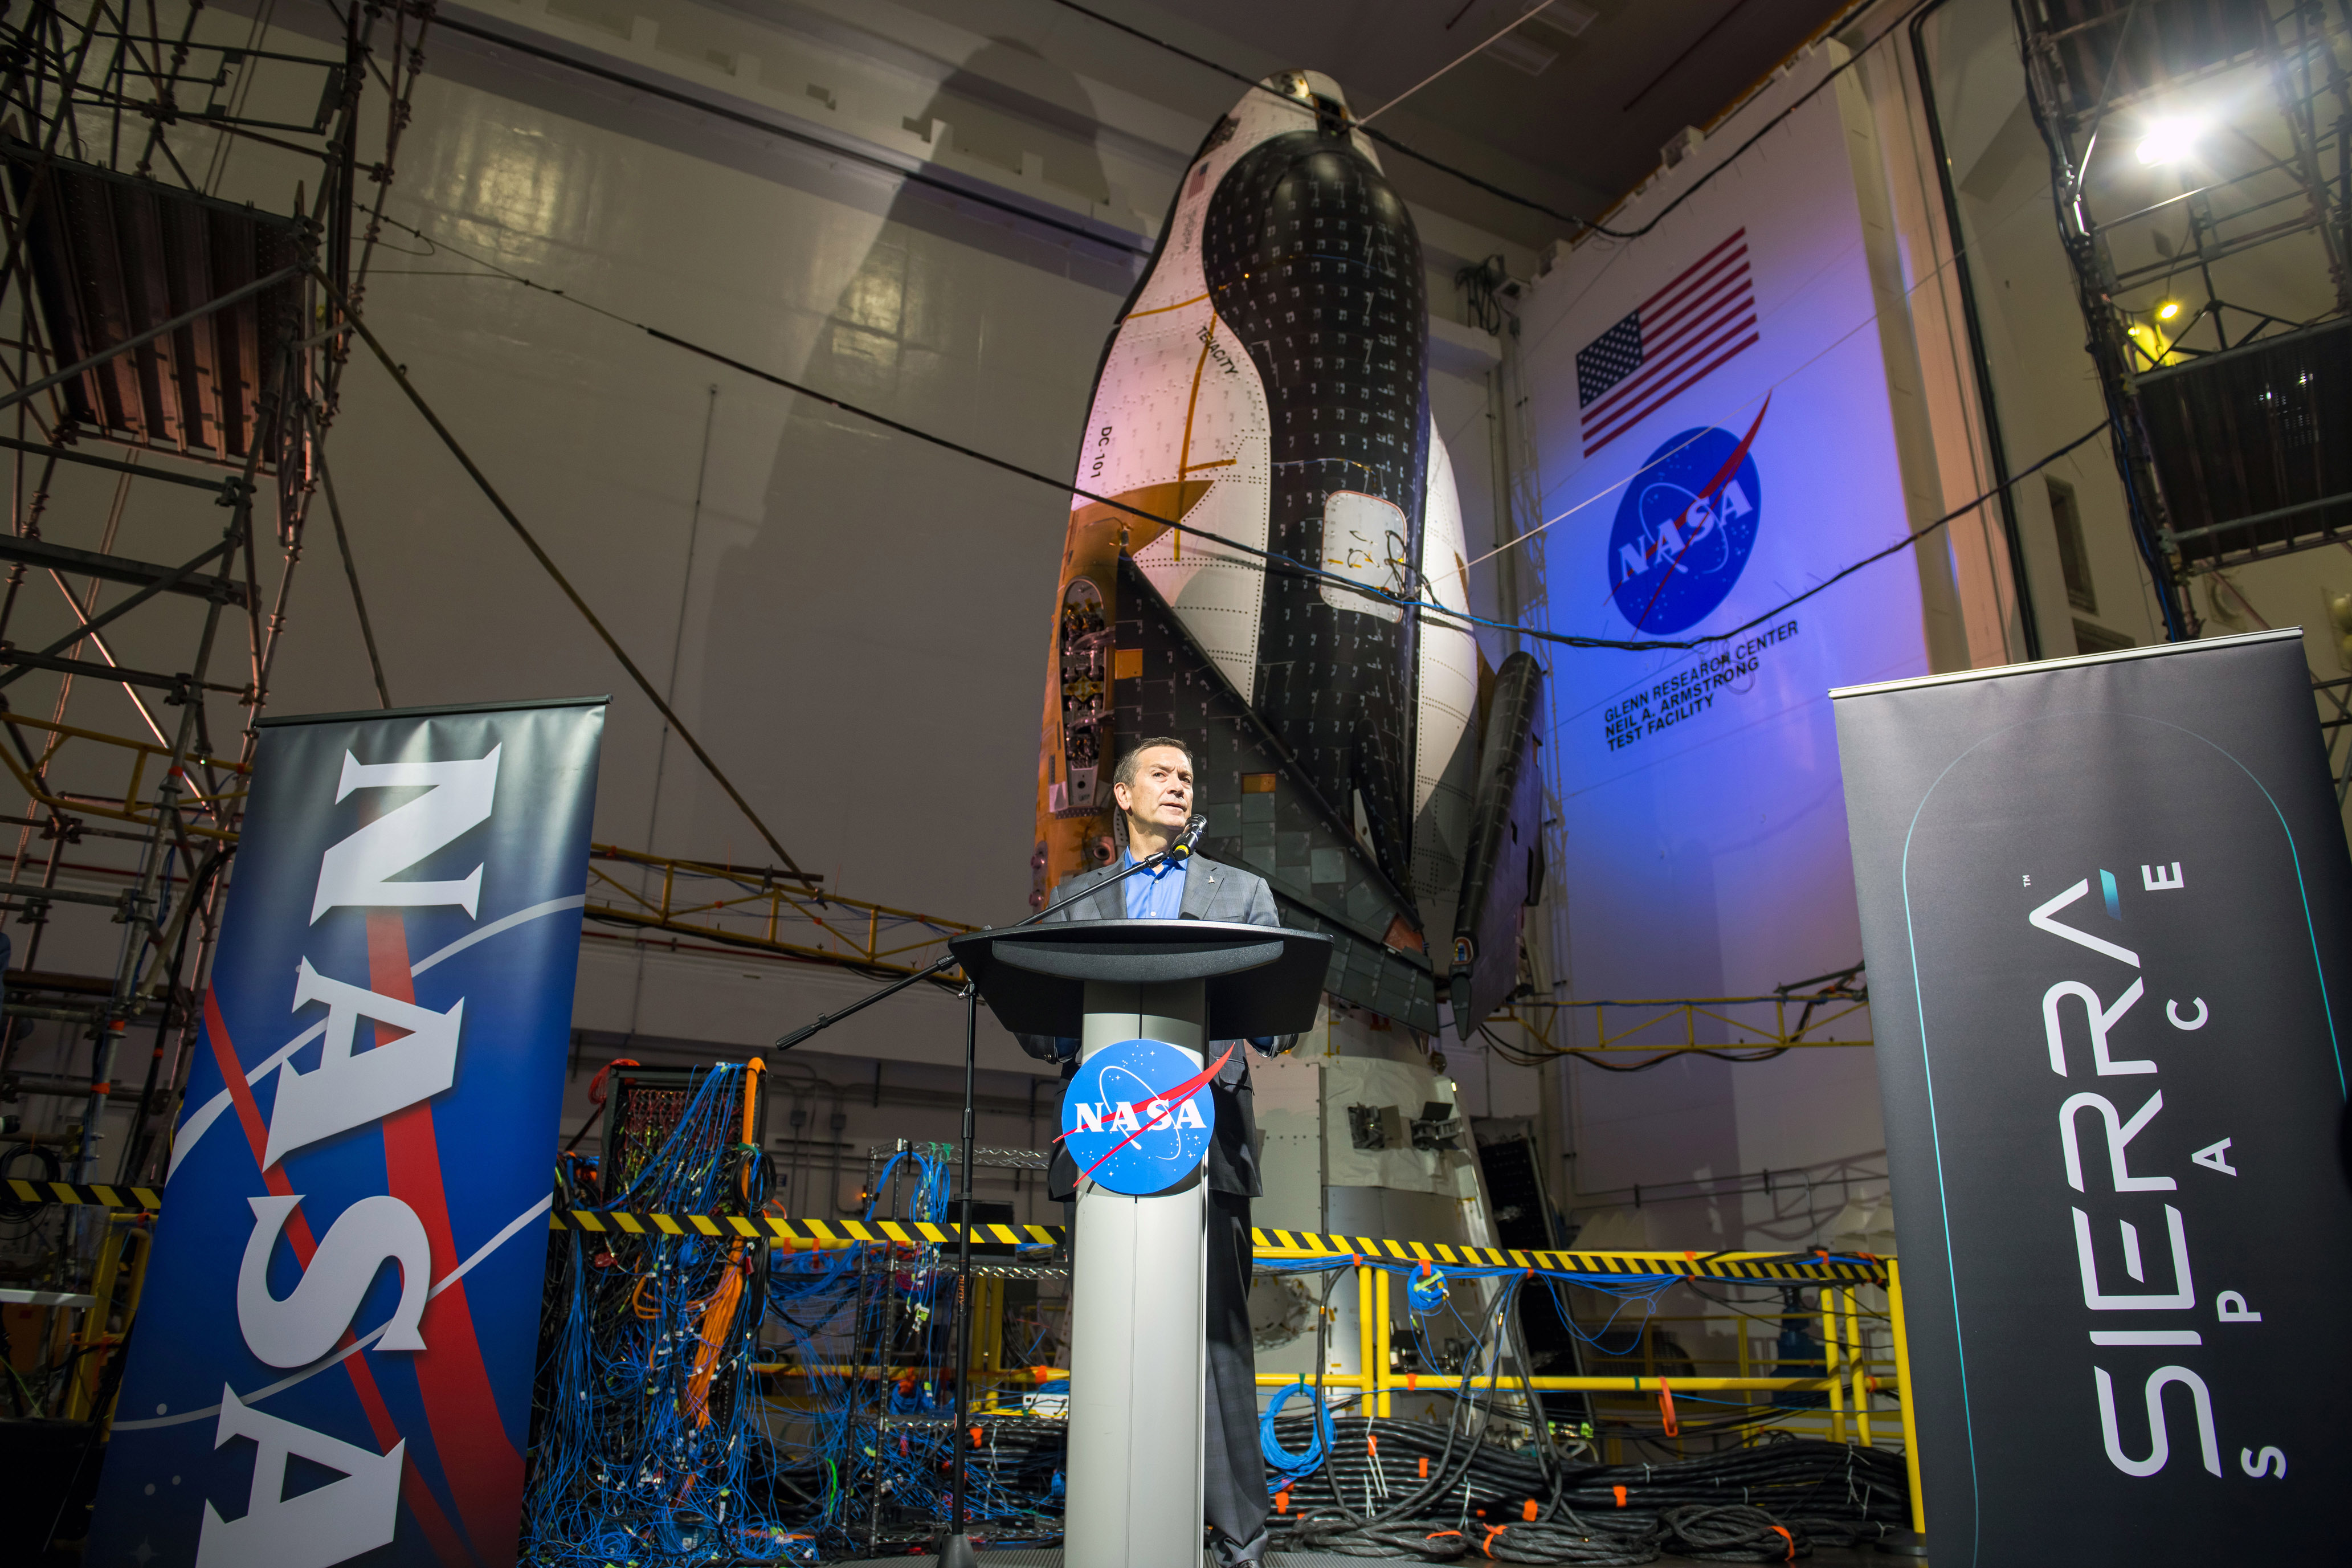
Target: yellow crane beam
pixel 762 909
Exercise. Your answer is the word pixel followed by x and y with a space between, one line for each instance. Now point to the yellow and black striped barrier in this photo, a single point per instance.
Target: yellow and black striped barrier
pixel 100 1197
pixel 1795 1268
pixel 1282 1244
pixel 803 1232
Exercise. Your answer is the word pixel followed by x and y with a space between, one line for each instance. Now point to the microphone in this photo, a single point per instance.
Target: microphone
pixel 1188 839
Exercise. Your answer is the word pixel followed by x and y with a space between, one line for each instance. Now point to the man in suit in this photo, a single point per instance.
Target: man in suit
pixel 1152 788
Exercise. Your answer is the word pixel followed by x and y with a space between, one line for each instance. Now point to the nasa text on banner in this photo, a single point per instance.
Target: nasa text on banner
pixel 349 1267
pixel 2106 905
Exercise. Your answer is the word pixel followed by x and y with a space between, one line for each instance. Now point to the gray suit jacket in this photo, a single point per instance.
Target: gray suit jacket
pixel 1212 892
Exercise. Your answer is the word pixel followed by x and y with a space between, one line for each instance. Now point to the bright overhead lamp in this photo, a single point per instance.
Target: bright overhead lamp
pixel 2169 140
pixel 2168 310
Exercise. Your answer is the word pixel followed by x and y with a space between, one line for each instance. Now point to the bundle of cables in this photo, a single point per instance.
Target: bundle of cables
pixel 1437 1494
pixel 860 1400
pixel 1416 1491
pixel 649 1445
pixel 1282 1465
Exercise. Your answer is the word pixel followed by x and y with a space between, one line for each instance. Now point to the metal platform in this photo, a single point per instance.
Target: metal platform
pixel 113 256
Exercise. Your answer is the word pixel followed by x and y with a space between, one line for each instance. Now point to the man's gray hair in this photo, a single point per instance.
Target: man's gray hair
pixel 1124 773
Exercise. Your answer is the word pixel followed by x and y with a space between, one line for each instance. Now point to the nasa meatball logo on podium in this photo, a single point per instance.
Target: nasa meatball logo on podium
pixel 1125 1126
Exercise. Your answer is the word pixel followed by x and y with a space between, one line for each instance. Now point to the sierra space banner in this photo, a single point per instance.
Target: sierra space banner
pixel 334 1353
pixel 1712 410
pixel 2107 909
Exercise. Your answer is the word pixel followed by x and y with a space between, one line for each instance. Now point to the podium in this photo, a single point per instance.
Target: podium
pixel 1138 1366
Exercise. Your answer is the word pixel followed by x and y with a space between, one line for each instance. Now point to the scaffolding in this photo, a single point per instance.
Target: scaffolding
pixel 187 221
pixel 2201 162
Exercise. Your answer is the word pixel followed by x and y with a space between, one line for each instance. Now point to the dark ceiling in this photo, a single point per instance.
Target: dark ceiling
pixel 1571 110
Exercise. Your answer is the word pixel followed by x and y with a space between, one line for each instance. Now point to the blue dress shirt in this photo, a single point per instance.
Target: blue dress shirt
pixel 1157 894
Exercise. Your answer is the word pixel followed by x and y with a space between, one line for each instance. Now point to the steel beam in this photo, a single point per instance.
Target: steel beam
pixel 41 553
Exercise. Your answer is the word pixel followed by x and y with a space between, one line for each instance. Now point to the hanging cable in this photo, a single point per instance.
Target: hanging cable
pixel 1274 560
pixel 1364 122
pixel 547 562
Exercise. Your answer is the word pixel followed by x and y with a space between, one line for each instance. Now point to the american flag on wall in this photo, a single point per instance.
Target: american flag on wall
pixel 1668 344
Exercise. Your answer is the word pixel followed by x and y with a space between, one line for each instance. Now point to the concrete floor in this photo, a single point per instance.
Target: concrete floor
pixel 1822 1559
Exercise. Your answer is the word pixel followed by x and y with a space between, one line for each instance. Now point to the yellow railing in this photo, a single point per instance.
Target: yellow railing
pixel 1660 1020
pixel 127 807
pixel 1849 1380
pixel 116 1283
pixel 761 910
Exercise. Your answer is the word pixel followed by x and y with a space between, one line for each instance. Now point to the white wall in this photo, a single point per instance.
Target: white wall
pixel 1708 858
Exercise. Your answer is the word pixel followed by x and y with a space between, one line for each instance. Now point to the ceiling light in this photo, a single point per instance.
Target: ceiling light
pixel 2170 140
pixel 2168 310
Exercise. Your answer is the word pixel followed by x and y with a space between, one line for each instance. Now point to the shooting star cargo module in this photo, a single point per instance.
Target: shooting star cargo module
pixel 1266 384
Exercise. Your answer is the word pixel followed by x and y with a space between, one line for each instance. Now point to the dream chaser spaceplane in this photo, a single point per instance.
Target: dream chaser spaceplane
pixel 1267 384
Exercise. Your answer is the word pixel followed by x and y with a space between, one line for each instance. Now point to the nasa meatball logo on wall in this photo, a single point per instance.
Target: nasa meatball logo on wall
pixel 1123 1124
pixel 1684 529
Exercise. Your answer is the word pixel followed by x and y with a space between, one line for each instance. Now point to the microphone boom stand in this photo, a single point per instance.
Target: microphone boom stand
pixel 955 1548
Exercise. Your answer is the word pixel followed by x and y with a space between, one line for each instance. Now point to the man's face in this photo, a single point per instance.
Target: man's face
pixel 1161 795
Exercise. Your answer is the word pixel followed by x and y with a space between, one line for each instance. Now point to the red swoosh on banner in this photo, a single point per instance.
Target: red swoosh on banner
pixel 480 1467
pixel 1168 1102
pixel 1722 478
pixel 414 1490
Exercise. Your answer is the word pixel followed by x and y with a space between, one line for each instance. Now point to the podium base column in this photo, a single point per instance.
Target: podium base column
pixel 1138 1310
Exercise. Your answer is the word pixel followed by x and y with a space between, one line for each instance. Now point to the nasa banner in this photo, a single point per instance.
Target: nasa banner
pixel 1712 407
pixel 2107 907
pixel 335 1349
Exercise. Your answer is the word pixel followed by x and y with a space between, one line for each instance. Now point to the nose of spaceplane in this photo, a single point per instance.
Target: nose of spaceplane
pixel 1322 86
pixel 1307 87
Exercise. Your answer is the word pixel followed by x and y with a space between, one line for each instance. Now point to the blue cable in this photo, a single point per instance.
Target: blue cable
pixel 1280 1462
